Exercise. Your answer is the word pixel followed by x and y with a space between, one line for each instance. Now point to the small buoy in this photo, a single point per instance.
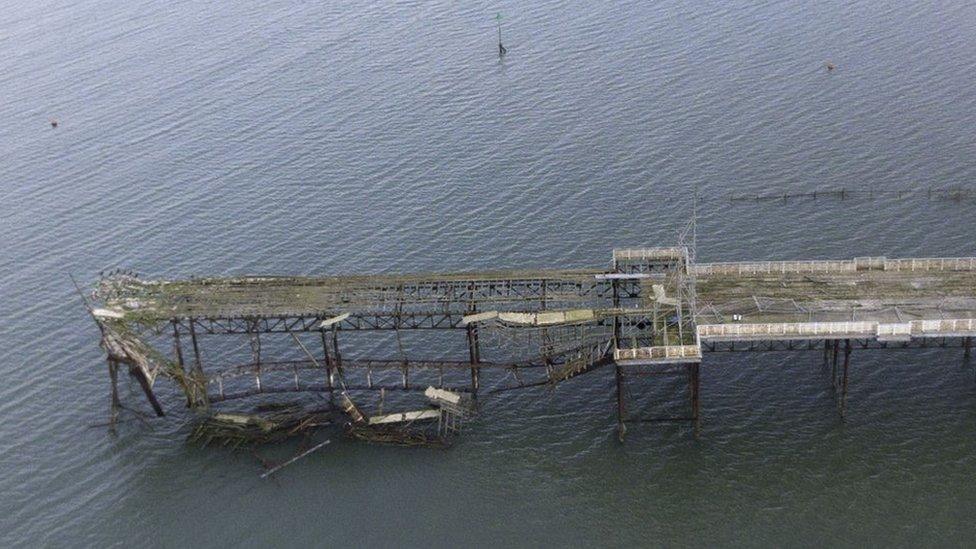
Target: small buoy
pixel 830 66
pixel 54 123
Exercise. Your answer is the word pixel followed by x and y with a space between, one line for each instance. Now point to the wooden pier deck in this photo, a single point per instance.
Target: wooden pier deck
pixel 652 308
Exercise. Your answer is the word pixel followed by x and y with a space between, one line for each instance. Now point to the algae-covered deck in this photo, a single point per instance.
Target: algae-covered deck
pixel 871 295
pixel 269 296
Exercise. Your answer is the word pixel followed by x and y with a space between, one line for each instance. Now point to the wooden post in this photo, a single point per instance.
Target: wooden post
pixel 833 370
pixel 198 364
pixel 967 344
pixel 621 409
pixel 335 348
pixel 113 374
pixel 146 388
pixel 843 390
pixel 695 396
pixel 474 357
pixel 177 345
pixel 616 318
pixel 329 381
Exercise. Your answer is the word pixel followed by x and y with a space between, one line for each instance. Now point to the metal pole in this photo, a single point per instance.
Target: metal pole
pixel 833 371
pixel 113 374
pixel 695 397
pixel 198 364
pixel 621 410
pixel 177 345
pixel 328 362
pixel 843 391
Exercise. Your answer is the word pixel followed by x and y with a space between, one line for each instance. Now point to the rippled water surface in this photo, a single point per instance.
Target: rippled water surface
pixel 332 137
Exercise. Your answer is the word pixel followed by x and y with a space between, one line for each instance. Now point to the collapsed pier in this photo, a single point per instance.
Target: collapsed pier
pixel 355 340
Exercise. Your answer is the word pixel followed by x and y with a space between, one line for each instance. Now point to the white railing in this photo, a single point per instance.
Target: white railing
pixel 782 267
pixel 837 266
pixel 837 330
pixel 895 330
pixel 661 353
pixel 931 264
pixel 648 253
pixel 787 330
pixel 944 327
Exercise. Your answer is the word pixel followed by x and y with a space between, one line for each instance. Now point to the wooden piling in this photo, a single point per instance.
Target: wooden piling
pixel 843 390
pixel 113 374
pixel 329 380
pixel 198 364
pixel 621 408
pixel 833 369
pixel 695 397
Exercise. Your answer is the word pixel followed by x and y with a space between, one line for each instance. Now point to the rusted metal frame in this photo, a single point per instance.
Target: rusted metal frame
pixel 322 388
pixel 241 370
pixel 197 363
pixel 147 388
pixel 474 349
pixel 254 338
pixel 398 324
pixel 177 346
pixel 329 376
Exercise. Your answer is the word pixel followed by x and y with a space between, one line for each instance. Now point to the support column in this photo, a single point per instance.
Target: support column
pixel 694 370
pixel 833 368
pixel 335 348
pixel 113 374
pixel 474 356
pixel 329 381
pixel 621 409
pixel 198 364
pixel 843 386
pixel 178 347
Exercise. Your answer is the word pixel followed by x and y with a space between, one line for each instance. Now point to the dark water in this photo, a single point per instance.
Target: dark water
pixel 332 137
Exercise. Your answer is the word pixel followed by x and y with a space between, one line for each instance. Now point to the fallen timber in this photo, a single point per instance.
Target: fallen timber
pixel 653 311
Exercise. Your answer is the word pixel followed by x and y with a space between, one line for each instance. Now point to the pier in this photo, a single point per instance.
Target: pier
pixel 650 311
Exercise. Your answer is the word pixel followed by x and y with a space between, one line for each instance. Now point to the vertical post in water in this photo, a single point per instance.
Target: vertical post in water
pixel 621 409
pixel 113 374
pixel 501 49
pixel 967 344
pixel 335 349
pixel 473 356
pixel 328 363
pixel 474 349
pixel 843 386
pixel 177 345
pixel 695 398
pixel 198 364
pixel 833 369
pixel 615 285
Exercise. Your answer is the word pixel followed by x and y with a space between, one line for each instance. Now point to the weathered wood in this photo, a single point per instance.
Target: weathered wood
pixel 281 466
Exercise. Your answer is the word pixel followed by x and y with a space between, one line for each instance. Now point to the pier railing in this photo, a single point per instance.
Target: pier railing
pixel 658 354
pixel 836 266
pixel 838 330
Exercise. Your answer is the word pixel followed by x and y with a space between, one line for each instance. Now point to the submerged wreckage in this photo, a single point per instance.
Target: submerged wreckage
pixel 255 343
